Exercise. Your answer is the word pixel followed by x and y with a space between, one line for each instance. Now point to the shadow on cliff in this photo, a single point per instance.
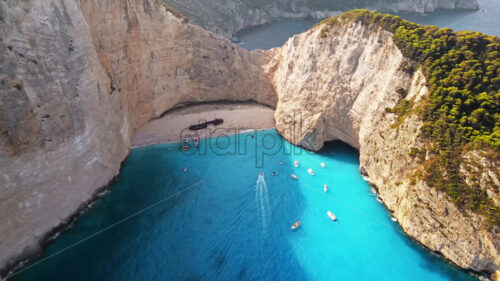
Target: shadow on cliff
pixel 433 263
pixel 214 103
pixel 342 152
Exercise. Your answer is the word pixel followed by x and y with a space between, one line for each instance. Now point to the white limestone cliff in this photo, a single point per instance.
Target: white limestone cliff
pixel 78 77
pixel 337 87
pixel 228 17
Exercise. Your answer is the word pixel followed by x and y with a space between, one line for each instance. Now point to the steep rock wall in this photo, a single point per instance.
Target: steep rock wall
pixel 78 77
pixel 227 17
pixel 337 86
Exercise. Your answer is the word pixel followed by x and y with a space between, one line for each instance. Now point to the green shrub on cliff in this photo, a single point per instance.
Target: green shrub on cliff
pixel 173 11
pixel 462 111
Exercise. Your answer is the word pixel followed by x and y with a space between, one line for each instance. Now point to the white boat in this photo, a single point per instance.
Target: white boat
pixel 373 190
pixel 394 219
pixel 380 200
pixel 295 225
pixel 293 176
pixel 310 171
pixel 325 187
pixel 323 165
pixel 185 144
pixel 296 164
pixel 185 169
pixel 331 216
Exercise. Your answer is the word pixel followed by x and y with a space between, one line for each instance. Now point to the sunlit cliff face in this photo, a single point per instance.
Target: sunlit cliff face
pixel 81 77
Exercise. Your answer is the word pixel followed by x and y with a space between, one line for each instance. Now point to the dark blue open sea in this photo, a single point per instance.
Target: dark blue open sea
pixel 220 220
pixel 486 20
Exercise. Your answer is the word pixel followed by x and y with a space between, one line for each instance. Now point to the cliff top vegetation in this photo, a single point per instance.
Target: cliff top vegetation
pixel 461 112
pixel 173 11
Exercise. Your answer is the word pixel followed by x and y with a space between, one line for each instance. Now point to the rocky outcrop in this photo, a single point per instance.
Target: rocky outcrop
pixel 77 78
pixel 424 6
pixel 336 85
pixel 227 17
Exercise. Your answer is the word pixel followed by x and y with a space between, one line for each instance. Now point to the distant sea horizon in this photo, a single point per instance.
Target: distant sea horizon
pixel 485 20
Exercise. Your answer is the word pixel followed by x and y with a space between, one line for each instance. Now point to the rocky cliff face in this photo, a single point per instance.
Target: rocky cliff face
pixel 77 78
pixel 227 17
pixel 337 86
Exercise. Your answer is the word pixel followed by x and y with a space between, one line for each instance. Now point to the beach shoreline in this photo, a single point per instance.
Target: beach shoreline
pixel 173 126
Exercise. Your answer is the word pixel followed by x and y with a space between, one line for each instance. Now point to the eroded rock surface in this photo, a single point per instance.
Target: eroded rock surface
pixel 78 77
pixel 337 87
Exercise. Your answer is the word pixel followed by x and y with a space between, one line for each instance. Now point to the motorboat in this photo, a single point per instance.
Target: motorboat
pixel 296 164
pixel 185 169
pixel 310 171
pixel 294 176
pixel 331 216
pixel 379 199
pixel 394 219
pixel 323 165
pixel 196 142
pixel 295 225
pixel 185 144
pixel 325 187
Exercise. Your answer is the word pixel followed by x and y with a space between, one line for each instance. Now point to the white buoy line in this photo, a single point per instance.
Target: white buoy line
pixel 105 229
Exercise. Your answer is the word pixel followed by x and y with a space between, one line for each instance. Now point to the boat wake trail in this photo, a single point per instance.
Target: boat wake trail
pixel 262 201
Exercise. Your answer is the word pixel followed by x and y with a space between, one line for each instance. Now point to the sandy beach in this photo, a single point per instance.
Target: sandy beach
pixel 173 126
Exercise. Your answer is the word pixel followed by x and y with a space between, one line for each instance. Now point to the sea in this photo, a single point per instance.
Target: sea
pixel 224 210
pixel 485 20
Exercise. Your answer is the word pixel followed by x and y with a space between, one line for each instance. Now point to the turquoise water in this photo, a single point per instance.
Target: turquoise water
pixel 227 225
